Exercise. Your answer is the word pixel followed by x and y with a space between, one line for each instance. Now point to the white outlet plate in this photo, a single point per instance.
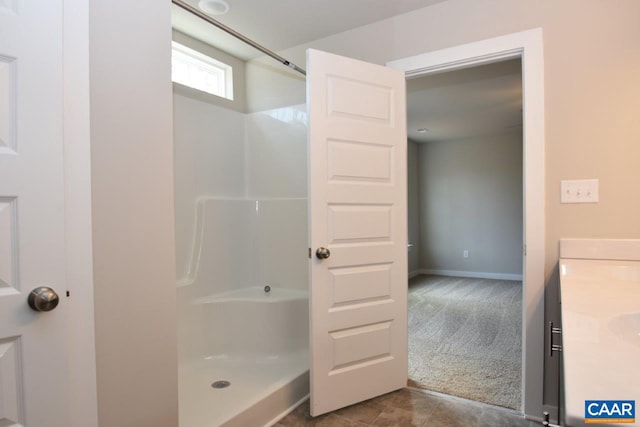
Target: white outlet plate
pixel 579 191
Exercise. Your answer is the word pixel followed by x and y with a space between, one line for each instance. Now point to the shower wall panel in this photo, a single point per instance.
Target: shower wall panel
pixel 245 177
pixel 277 153
pixel 282 243
pixel 209 160
pixel 224 249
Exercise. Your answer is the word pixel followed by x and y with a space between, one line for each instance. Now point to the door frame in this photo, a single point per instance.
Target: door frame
pixel 81 354
pixel 528 46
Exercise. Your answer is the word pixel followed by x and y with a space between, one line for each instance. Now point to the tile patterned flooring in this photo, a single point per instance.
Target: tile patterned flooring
pixel 409 407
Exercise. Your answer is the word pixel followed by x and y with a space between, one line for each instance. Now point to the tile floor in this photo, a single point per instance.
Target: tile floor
pixel 409 407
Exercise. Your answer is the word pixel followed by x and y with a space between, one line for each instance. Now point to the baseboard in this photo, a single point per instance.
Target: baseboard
pixel 475 274
pixel 415 273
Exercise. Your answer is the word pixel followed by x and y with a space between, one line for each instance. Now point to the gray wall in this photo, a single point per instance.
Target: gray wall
pixel 471 198
pixel 132 202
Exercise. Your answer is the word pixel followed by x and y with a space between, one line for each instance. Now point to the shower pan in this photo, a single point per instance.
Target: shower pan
pixel 243 351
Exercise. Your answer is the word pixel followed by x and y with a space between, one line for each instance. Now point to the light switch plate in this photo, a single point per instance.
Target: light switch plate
pixel 579 191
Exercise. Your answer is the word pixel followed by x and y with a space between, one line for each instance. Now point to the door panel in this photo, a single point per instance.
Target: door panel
pixel 357 209
pixel 374 162
pixel 32 345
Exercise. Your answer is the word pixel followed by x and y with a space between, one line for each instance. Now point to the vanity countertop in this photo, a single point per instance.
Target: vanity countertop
pixel 600 302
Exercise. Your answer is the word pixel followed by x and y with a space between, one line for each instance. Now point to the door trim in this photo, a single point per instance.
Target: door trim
pixel 528 46
pixel 81 354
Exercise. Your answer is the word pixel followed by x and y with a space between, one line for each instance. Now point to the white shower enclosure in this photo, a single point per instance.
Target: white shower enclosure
pixel 241 249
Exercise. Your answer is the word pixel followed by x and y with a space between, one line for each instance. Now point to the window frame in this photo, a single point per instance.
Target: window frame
pixel 206 64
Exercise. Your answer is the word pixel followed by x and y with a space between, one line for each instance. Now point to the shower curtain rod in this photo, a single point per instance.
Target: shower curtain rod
pixel 237 35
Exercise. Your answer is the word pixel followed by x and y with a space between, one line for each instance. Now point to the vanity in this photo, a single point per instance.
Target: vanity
pixel 600 306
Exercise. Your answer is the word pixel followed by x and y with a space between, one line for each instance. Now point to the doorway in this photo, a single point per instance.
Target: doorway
pixel 526 45
pixel 465 226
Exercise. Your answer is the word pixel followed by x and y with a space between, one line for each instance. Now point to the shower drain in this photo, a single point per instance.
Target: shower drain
pixel 221 384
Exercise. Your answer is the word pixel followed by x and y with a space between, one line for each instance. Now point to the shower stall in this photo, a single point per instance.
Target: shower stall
pixel 241 244
pixel 241 255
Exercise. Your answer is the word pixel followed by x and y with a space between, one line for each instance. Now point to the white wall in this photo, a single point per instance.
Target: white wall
pixel 132 204
pixel 471 199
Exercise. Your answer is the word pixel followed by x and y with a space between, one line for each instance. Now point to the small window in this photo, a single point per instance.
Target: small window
pixel 198 71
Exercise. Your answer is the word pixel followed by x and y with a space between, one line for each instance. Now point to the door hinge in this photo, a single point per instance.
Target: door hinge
pixel 309 253
pixel 68 294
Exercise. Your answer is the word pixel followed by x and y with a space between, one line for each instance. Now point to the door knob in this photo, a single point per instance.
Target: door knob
pixel 43 298
pixel 323 253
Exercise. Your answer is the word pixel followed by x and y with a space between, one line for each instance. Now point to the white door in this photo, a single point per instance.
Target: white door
pixel 32 344
pixel 357 211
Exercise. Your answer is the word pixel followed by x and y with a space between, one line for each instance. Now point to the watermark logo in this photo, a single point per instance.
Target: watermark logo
pixel 609 411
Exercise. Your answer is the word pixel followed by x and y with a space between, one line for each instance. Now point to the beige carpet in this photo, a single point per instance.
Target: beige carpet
pixel 465 338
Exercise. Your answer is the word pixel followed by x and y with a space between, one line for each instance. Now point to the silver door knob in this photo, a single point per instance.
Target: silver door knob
pixel 323 253
pixel 43 298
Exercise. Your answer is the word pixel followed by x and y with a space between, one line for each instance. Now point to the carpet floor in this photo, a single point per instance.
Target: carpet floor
pixel 465 338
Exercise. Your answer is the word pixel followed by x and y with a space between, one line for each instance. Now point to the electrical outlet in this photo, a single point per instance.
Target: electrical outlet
pixel 465 253
pixel 579 191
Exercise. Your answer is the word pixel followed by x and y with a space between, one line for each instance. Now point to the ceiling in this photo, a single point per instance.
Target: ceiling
pixel 280 24
pixel 475 101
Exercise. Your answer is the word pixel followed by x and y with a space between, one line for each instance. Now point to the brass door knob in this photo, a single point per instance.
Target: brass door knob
pixel 43 298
